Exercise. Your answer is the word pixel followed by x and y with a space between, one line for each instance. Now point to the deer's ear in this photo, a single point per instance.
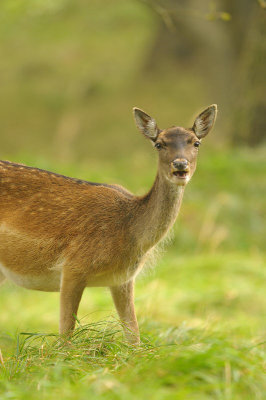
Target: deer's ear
pixel 146 124
pixel 205 121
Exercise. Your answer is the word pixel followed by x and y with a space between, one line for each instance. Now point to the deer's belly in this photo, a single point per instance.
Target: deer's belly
pixel 48 282
pixel 28 262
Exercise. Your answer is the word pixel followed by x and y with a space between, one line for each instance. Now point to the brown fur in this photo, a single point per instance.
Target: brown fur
pixel 63 234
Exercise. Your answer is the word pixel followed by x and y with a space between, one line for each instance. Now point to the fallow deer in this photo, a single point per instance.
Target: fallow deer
pixel 64 234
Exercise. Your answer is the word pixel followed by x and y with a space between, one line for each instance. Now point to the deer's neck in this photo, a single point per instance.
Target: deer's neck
pixel 157 212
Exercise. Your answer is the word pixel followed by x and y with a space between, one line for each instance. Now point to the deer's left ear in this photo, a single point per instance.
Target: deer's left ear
pixel 146 124
pixel 205 121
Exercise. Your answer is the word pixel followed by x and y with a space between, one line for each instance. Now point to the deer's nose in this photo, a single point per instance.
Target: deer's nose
pixel 180 164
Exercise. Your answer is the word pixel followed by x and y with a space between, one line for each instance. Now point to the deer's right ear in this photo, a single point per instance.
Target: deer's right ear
pixel 146 124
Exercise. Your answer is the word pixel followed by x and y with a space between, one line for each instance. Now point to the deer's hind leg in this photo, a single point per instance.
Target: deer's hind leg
pixel 123 297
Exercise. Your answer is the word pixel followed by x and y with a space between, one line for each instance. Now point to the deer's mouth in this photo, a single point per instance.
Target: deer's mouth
pixel 181 174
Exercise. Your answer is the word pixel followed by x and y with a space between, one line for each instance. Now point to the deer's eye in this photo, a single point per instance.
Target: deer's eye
pixel 196 144
pixel 158 145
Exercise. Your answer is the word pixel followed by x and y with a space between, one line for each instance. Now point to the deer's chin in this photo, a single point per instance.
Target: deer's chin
pixel 179 179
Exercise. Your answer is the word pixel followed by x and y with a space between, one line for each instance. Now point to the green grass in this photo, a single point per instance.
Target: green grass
pixel 201 311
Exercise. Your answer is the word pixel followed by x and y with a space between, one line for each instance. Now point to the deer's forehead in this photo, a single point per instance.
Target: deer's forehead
pixel 176 134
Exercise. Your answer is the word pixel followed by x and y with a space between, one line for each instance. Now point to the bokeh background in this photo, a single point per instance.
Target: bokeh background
pixel 70 73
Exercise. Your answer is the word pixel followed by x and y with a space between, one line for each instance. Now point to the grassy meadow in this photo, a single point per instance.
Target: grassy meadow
pixel 201 310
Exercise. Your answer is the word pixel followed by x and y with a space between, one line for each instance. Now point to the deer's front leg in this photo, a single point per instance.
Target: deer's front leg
pixel 123 297
pixel 72 287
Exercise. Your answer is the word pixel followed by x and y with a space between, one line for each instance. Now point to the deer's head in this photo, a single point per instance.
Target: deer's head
pixel 177 147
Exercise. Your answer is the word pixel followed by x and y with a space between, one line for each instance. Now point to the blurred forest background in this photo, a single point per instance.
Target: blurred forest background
pixel 70 73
